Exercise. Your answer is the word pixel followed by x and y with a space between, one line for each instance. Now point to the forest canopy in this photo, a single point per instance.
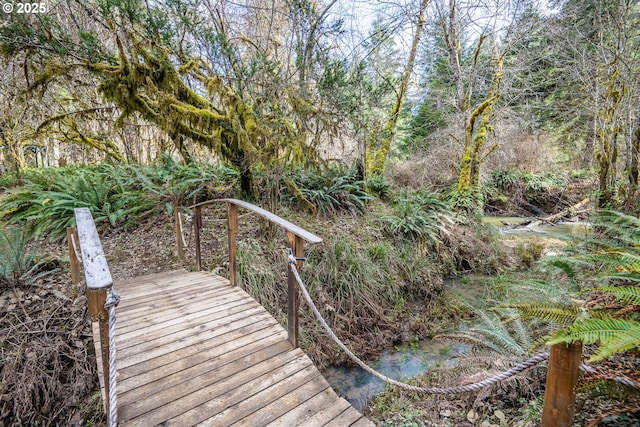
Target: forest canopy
pixel 298 82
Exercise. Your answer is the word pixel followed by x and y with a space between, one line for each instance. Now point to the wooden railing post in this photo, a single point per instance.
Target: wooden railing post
pixel 296 244
pixel 72 241
pixel 98 279
pixel 562 377
pixel 197 225
pixel 232 227
pixel 96 299
pixel 178 224
pixel 296 237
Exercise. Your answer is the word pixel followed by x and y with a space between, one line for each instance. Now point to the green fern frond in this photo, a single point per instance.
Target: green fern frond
pixel 626 294
pixel 614 335
pixel 563 314
pixel 625 340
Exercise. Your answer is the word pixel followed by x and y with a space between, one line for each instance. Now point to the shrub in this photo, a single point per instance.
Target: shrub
pixel 116 195
pixel 8 180
pixel 379 187
pixel 45 203
pixel 529 251
pixel 19 264
pixel 418 215
pixel 330 191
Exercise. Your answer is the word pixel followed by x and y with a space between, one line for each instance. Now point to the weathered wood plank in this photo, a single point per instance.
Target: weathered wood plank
pixel 94 262
pixel 323 416
pixel 158 288
pixel 159 368
pixel 201 332
pixel 224 336
pixel 362 422
pixel 295 404
pixel 205 353
pixel 201 363
pixel 203 389
pixel 192 322
pixel 346 418
pixel 322 401
pixel 139 308
pixel 234 323
pixel 239 402
pixel 166 315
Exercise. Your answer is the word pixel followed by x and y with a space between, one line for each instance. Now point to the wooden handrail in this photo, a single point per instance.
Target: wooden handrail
pixel 99 282
pixel 296 236
pixel 283 223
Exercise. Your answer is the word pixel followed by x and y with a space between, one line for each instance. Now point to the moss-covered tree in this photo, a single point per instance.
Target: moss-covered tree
pixel 180 67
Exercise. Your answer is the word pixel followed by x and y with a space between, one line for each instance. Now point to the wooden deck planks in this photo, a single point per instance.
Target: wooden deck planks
pixel 192 350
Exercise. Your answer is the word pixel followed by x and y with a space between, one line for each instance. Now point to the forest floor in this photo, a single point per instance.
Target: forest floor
pixel 45 333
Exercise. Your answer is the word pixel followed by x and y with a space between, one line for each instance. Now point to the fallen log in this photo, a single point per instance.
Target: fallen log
pixel 529 207
pixel 570 211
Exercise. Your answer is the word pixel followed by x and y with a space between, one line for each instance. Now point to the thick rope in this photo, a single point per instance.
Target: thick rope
pixel 431 390
pixel 112 301
pixel 619 379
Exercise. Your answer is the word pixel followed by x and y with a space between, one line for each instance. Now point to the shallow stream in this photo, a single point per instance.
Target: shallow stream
pixel 399 363
pixel 358 386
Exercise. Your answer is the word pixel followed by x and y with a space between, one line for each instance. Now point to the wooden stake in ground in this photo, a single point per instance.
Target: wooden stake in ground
pixel 562 377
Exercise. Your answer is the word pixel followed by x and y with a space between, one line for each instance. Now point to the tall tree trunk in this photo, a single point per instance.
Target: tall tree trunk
pixel 633 171
pixel 608 132
pixel 474 141
pixel 378 159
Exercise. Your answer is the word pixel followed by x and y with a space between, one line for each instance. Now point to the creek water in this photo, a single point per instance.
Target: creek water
pixel 401 362
pixel 507 225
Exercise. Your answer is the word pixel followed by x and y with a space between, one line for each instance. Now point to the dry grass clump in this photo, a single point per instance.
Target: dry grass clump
pixel 47 360
pixel 400 407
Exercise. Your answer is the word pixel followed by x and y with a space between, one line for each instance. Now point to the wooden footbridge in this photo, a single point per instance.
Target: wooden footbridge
pixel 191 348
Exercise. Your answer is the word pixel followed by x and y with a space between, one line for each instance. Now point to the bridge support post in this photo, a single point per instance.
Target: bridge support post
pixel 197 226
pixel 96 299
pixel 560 392
pixel 72 241
pixel 232 227
pixel 296 244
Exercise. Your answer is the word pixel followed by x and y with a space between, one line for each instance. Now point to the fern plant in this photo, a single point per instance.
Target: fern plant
pixel 116 195
pixel 608 316
pixel 19 264
pixel 418 215
pixel 330 191
pixel 497 330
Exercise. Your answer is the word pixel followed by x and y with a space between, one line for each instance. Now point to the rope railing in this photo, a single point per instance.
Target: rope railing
pixel 113 299
pixel 431 390
pixel 528 364
pixel 626 381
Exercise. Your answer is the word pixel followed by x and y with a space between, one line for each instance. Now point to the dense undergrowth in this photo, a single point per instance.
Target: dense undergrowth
pixel 588 293
pixel 375 277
